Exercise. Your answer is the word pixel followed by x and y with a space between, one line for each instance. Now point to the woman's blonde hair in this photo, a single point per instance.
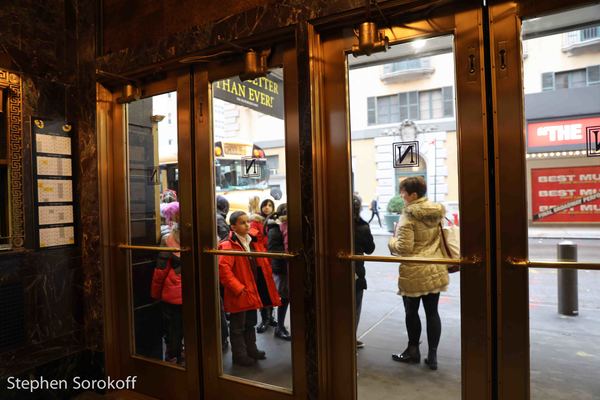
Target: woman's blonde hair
pixel 254 205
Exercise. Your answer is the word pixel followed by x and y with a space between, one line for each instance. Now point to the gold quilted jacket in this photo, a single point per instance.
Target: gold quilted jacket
pixel 418 235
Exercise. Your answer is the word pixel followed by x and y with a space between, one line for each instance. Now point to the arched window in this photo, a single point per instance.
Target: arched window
pixel 403 173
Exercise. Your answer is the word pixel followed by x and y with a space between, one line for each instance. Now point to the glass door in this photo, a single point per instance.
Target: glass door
pixel 250 230
pixel 548 206
pixel 405 159
pixel 150 270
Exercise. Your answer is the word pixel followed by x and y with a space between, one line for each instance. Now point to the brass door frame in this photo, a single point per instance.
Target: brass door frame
pixel 333 187
pixel 214 383
pixel 511 201
pixel 120 360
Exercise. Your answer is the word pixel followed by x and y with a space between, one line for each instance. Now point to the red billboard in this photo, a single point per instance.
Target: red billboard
pixel 569 134
pixel 570 194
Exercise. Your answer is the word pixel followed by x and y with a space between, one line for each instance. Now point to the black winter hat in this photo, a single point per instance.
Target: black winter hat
pixel 222 204
pixel 356 205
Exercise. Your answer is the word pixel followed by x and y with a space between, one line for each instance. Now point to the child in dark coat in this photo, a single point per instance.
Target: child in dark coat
pixel 277 233
pixel 363 244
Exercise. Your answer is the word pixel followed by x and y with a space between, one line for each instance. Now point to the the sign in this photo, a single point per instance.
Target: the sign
pixel 54 182
pixel 565 194
pixel 250 167
pixel 406 154
pixel 558 135
pixel 593 141
pixel 264 95
pixel 237 149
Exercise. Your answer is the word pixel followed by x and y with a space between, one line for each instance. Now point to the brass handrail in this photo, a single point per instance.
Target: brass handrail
pixel 256 254
pixel 393 259
pixel 519 262
pixel 124 246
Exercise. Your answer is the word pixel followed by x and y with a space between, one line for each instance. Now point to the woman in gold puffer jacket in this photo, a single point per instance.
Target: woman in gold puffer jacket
pixel 418 235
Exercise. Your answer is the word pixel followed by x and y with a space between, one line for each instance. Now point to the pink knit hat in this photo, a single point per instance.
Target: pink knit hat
pixel 170 211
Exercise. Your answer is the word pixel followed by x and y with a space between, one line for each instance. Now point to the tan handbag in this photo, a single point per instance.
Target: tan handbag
pixel 450 244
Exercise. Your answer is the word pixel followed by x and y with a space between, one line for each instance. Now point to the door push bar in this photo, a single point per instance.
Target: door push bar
pixel 406 260
pixel 520 262
pixel 255 254
pixel 124 246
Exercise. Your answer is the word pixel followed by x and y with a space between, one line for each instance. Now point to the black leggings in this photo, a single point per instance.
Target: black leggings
pixel 413 322
pixel 281 312
pixel 172 317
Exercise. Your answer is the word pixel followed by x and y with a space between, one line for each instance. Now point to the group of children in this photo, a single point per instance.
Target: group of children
pixel 247 283
pixel 252 283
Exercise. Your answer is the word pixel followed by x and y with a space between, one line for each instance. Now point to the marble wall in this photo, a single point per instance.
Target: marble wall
pixel 211 25
pixel 50 44
pixel 166 18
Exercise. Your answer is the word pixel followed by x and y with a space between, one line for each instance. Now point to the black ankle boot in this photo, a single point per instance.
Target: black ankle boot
pixel 251 349
pixel 265 316
pixel 282 333
pixel 431 360
pixel 411 355
pixel 262 327
pixel 272 321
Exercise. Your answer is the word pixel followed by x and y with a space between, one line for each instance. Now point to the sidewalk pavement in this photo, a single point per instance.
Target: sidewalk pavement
pixel 377 231
pixel 565 232
pixel 550 232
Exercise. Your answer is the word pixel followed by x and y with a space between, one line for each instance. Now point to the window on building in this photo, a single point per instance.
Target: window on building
pixel 590 33
pixel 571 79
pixel 406 65
pixel 388 109
pixel 429 104
pixel 448 95
pixel 409 105
pixel 593 75
pixel 371 110
pixel 547 81
pixel 580 37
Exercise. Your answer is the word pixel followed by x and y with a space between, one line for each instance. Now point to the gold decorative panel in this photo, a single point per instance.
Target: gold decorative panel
pixel 12 83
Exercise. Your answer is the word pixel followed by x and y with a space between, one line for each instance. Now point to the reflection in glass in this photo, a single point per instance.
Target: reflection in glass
pixel 154 220
pixel 561 76
pixel 251 215
pixel 401 196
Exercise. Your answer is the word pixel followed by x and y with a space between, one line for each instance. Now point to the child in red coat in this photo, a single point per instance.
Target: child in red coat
pixel 248 285
pixel 166 287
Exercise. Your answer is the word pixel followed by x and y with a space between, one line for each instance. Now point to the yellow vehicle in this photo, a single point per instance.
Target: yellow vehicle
pixel 241 172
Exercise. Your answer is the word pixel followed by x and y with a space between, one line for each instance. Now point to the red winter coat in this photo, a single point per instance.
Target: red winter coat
pixel 257 229
pixel 235 274
pixel 166 279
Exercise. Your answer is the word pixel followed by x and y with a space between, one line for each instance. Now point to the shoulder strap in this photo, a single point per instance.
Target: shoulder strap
pixel 443 240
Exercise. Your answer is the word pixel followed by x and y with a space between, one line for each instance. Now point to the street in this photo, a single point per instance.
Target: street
pixel 558 343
